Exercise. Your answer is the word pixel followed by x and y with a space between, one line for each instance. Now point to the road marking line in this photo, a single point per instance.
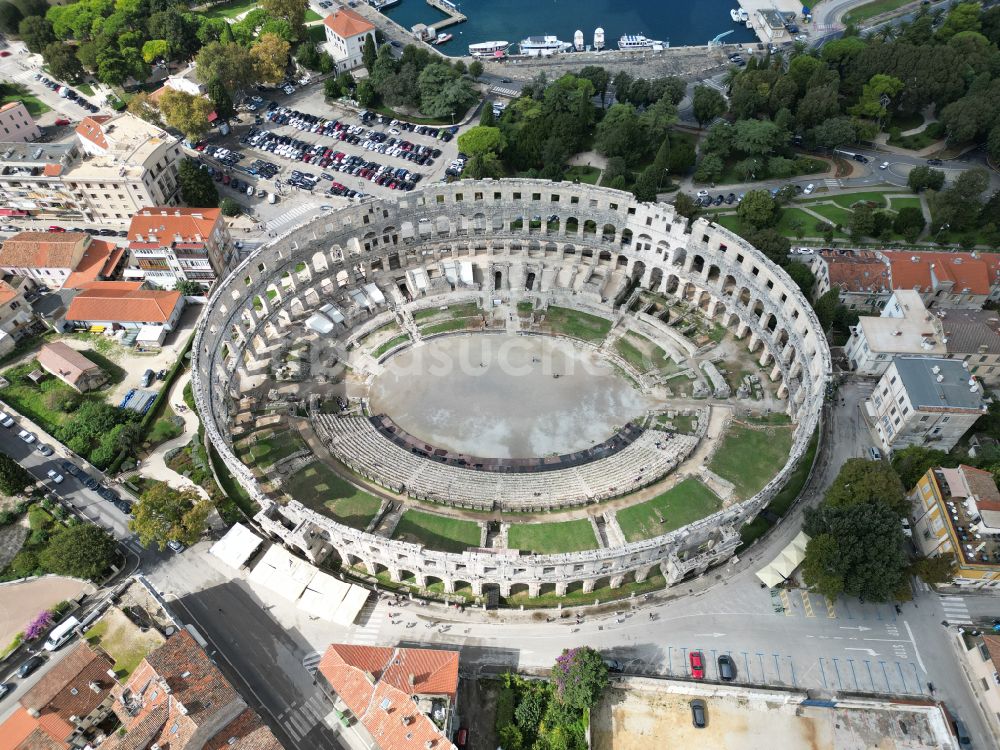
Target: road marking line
pixel 916 651
pixel 807 603
pixel 786 602
pixel 831 609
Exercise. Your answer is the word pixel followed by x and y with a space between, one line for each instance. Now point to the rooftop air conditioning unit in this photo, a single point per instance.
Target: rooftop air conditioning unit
pixel 935 369
pixel 940 378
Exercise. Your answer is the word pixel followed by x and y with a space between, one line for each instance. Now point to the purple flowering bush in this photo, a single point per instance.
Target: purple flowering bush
pixel 38 625
pixel 579 676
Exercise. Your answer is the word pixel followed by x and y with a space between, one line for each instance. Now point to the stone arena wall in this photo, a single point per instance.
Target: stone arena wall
pixel 576 240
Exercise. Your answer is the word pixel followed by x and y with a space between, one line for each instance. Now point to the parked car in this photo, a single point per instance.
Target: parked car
pixel 697 665
pixel 875 454
pixel 614 665
pixel 935 162
pixel 884 165
pixel 5 688
pixel 89 482
pixel 29 666
pixel 699 716
pixel 62 121
pixel 727 667
pixel 147 378
pixel 9 228
pixel 56 228
pixel 26 436
pixel 461 737
pixel 809 188
pixel 6 420
pixel 176 546
pixel 44 449
pixel 907 529
pixel 70 468
pixel 55 476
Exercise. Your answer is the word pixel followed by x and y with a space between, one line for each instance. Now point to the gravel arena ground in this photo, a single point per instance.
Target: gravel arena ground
pixel 639 720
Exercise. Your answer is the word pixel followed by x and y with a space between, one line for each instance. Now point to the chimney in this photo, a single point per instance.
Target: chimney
pixel 406 721
pixel 371 678
pixel 95 686
pixel 412 681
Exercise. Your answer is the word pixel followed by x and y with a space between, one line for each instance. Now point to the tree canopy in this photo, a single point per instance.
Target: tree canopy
pixel 14 478
pixel 164 514
pixel 81 551
pixel 197 188
pixel 579 676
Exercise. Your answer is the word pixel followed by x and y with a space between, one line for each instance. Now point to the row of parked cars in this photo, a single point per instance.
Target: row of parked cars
pixel 704 199
pixel 442 134
pixel 226 156
pixel 66 93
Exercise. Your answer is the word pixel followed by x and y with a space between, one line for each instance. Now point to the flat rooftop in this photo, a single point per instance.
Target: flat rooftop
pixel 656 714
pixel 963 520
pixel 917 331
pixel 936 383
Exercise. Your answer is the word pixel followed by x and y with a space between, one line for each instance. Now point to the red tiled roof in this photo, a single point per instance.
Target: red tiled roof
pixel 18 726
pixel 92 263
pixel 245 732
pixel 168 223
pixel 98 302
pixel 41 249
pixel 982 486
pixel 345 23
pixel 375 683
pixel 65 362
pixel 90 128
pixel 861 271
pixel 966 271
pixel 992 643
pixel 7 292
pixel 52 170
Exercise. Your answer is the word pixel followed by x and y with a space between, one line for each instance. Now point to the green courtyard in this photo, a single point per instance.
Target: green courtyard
pixel 552 538
pixel 318 487
pixel 577 324
pixel 437 532
pixel 749 457
pixel 687 502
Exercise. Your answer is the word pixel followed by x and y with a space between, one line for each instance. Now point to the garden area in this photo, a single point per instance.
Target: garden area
pixel 685 503
pixel 123 641
pixel 644 355
pixel 318 487
pixel 576 596
pixel 15 92
pixel 84 422
pixel 552 538
pixel 579 325
pixel 437 532
pixel 267 447
pixel 750 457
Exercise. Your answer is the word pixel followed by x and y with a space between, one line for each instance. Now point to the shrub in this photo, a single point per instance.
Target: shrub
pixel 24 564
pixel 229 207
pixel 38 625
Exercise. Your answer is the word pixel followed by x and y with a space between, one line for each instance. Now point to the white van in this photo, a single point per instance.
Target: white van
pixel 6 420
pixel 62 633
pixel 272 198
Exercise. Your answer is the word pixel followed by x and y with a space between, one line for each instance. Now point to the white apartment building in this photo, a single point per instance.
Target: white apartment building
pixel 346 32
pixel 923 401
pixel 118 165
pixel 16 124
pixel 905 326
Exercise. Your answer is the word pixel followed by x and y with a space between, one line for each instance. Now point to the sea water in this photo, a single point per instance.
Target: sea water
pixel 682 22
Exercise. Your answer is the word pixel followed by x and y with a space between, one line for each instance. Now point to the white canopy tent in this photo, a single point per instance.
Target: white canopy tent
pixel 782 566
pixel 237 546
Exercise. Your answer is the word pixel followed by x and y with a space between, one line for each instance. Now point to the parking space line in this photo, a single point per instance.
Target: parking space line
pixel 854 674
pixel 807 603
pixel 822 673
pixel 791 667
pixel 885 675
pixel 868 664
pixel 760 660
pixel 916 676
pixel 777 668
pixel 831 609
pixel 746 662
pixel 836 668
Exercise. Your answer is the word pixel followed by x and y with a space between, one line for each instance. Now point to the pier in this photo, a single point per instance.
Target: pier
pixel 449 9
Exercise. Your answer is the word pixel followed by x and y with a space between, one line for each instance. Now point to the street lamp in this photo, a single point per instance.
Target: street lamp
pixel 941 229
pixel 452 118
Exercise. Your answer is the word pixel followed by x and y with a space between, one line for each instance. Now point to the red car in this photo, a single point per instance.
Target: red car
pixel 56 228
pixel 461 737
pixel 62 121
pixel 697 665
pixel 4 53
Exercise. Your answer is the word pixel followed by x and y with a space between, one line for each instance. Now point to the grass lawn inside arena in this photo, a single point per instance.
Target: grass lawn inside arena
pixel 552 538
pixel 437 532
pixel 577 324
pixel 318 487
pixel 749 458
pixel 687 502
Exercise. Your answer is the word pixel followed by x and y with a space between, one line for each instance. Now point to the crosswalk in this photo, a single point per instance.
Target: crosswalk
pixel 311 662
pixel 299 719
pixel 832 182
pixel 955 610
pixel 372 616
pixel 290 215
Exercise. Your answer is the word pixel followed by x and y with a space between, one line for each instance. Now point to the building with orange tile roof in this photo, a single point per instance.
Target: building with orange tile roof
pixel 64 708
pixel 177 698
pixel 953 280
pixel 31 180
pixel 47 258
pixel 169 244
pixel 16 123
pixel 16 316
pixel 405 698
pixel 982 658
pixel 346 32
pixel 860 276
pixel 128 305
pixel 70 366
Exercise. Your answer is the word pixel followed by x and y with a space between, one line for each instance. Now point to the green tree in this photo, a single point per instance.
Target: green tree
pixel 909 218
pixel 197 188
pixel 865 482
pixel 331 89
pixel 80 551
pixel 62 62
pixel 936 569
pixel 291 11
pixel 36 33
pixel 475 69
pixel 873 95
pixel 685 206
pixel 365 93
pixel 369 53
pixel 855 549
pixel 924 178
pixel 579 676
pixel 270 58
pixel 804 278
pixel 826 308
pixel 481 140
pixel 14 479
pixel 619 133
pixel 483 166
pixel 645 187
pixel 142 106
pixel 834 133
pixel 912 462
pixel 707 103
pixel 155 49
pixel 757 137
pixel 191 288
pixel 862 222
pixel 221 100
pixel 229 63
pixel 709 168
pixel 164 514
pixel 758 209
pixel 486 117
pixel 229 207
pixel 599 78
pixel 774 245
pixel 961 17
pixel 10 18
pixel 186 112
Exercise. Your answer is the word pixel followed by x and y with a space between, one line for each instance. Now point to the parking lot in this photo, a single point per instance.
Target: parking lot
pixel 300 144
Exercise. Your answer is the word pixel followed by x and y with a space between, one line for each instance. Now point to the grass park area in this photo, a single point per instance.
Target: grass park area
pixel 390 345
pixel 750 457
pixel 577 324
pixel 231 9
pixel 643 354
pixel 123 641
pixel 687 502
pixel 586 175
pixel 872 9
pixel 318 487
pixel 437 532
pixel 266 451
pixel 444 327
pixel 552 538
pixel 15 92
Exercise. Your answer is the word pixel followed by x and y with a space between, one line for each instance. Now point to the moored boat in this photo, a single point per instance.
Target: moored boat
pixel 639 43
pixel 488 49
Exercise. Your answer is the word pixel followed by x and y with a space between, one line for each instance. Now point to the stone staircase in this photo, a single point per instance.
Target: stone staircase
pixel 408 324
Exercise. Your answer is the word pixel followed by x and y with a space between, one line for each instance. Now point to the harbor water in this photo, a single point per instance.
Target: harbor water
pixel 682 22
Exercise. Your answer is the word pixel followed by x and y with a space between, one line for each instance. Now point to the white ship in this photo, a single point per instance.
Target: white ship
pixel 638 42
pixel 442 38
pixel 542 46
pixel 739 15
pixel 488 49
pixel 578 41
pixel 599 39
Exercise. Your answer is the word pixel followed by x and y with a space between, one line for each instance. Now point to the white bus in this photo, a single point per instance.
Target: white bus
pixel 62 633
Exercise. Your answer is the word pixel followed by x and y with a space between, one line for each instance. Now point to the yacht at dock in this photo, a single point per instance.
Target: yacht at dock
pixel 638 42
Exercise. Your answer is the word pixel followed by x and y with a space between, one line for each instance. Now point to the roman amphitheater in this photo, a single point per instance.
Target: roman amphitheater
pixel 518 391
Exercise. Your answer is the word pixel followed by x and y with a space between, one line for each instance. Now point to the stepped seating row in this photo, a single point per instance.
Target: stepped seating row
pixel 357 442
